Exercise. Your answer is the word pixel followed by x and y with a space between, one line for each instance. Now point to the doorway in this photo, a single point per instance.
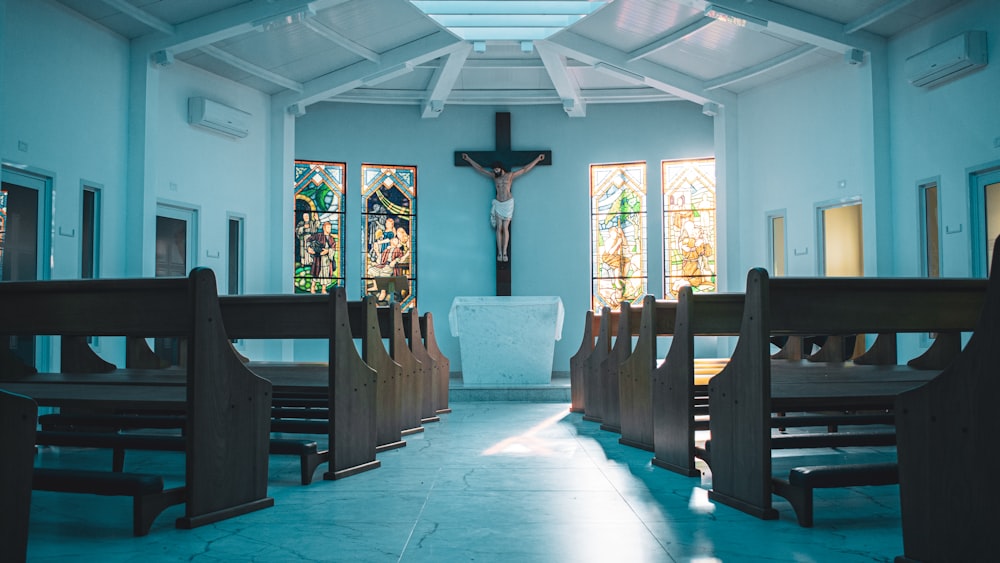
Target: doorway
pixel 841 240
pixel 986 185
pixel 24 241
pixel 175 228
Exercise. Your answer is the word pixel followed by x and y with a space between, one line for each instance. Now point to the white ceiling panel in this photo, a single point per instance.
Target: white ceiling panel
pixel 623 51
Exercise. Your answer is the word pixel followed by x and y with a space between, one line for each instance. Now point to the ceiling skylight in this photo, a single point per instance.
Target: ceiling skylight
pixel 506 20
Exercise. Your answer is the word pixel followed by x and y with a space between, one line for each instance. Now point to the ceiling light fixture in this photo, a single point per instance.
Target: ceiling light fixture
pixel 735 18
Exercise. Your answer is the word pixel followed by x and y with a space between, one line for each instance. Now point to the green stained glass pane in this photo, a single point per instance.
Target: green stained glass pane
pixel 319 222
pixel 689 226
pixel 389 195
pixel 618 233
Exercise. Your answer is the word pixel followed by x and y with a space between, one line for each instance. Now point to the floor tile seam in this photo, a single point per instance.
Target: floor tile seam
pixel 420 514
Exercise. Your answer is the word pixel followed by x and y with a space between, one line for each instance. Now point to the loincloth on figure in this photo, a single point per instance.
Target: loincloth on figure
pixel 501 210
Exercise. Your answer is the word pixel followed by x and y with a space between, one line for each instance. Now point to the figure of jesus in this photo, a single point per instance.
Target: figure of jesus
pixel 502 209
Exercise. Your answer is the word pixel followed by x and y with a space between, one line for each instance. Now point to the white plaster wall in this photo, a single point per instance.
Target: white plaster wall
pixel 551 228
pixel 943 132
pixel 64 83
pixel 215 174
pixel 799 140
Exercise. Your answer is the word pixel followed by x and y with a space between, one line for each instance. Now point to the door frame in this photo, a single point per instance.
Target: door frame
pixel 978 178
pixel 42 182
pixel 820 229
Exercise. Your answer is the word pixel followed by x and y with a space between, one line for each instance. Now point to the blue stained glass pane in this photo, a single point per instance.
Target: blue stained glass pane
pixel 319 218
pixel 389 200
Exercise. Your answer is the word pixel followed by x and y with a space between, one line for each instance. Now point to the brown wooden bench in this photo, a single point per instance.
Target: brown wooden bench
pixel 751 387
pixel 346 380
pixel 227 405
pixel 609 370
pixel 430 375
pixel 442 365
pixel 591 365
pixel 413 375
pixel 679 383
pixel 17 442
pixel 579 363
pixel 946 447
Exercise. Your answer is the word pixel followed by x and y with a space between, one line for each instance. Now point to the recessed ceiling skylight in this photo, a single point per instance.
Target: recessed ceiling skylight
pixel 506 20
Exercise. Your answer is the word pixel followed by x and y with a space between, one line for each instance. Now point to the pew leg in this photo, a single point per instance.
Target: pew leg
pixel 118 460
pixel 309 464
pixel 801 499
pixel 145 508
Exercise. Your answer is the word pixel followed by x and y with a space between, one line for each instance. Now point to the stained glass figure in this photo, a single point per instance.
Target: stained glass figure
pixel 618 232
pixel 689 225
pixel 319 222
pixel 3 225
pixel 389 196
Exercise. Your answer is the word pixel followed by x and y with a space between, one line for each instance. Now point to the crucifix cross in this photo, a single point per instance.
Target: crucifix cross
pixel 511 159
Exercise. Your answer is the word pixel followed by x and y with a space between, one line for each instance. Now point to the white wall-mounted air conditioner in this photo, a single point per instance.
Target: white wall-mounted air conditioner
pixel 218 117
pixel 948 60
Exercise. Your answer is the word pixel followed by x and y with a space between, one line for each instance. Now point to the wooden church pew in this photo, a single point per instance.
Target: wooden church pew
pixel 579 362
pixel 592 382
pixel 413 375
pixel 610 390
pixel 431 375
pixel 216 486
pixel 947 434
pixel 442 365
pixel 17 442
pixel 750 387
pixel 347 382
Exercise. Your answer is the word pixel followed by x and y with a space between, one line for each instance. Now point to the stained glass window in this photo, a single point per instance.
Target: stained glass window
pixel 688 225
pixel 389 196
pixel 319 225
pixel 618 233
pixel 3 224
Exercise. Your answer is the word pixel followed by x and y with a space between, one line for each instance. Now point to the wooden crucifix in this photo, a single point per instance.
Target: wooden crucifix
pixel 513 163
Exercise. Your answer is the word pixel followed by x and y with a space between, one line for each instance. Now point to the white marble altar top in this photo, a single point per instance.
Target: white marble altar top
pixel 507 303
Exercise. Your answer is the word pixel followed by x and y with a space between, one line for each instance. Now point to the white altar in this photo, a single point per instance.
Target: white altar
pixel 506 340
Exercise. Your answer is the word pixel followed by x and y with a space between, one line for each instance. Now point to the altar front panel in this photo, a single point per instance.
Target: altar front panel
pixel 506 341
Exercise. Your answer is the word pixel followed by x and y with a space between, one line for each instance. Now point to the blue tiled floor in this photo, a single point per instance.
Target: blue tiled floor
pixel 492 481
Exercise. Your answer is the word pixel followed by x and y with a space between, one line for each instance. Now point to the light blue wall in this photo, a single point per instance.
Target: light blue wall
pixel 66 102
pixel 799 139
pixel 943 132
pixel 551 229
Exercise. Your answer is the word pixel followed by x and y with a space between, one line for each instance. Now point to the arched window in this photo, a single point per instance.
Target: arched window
pixel 319 222
pixel 389 197
pixel 618 232
pixel 688 225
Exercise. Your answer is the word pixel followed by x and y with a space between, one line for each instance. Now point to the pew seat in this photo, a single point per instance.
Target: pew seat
pixel 310 456
pixel 149 497
pixel 798 487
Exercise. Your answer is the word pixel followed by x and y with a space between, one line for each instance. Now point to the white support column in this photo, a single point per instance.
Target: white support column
pixel 143 142
pixel 731 272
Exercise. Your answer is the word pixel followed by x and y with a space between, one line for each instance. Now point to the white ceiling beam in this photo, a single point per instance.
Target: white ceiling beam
pixel 512 97
pixel 444 80
pixel 247 66
pixel 656 76
pixel 221 25
pixel 398 60
pixel 805 27
pixel 760 68
pixel 669 39
pixel 565 84
pixel 339 39
pixel 141 15
pixel 875 15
